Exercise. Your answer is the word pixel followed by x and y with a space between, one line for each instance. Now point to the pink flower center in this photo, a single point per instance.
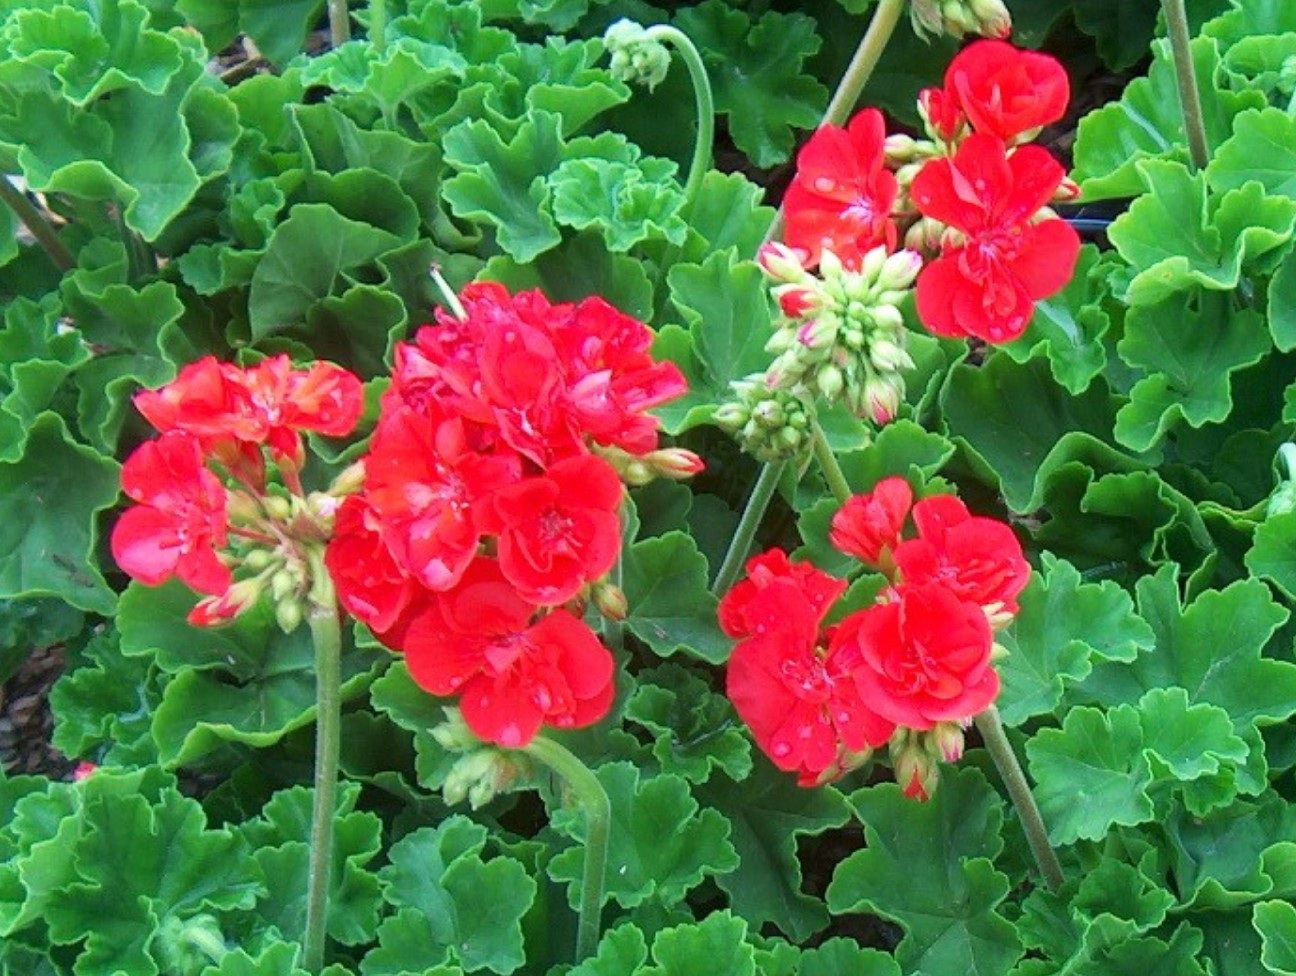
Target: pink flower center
pixel 806 677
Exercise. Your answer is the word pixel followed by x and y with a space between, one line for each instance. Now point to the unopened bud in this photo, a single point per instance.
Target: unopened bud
pixel 818 333
pixel 283 583
pixel 899 270
pixel 829 381
pixel 636 474
pixel 886 318
pixel 636 57
pixel 906 174
pixel 882 397
pixel 674 463
pixel 924 236
pixel 915 771
pixel 213 611
pixel 278 507
pixel 453 735
pixel 947 739
pixel 258 559
pixel 889 357
pixel 610 600
pixel 288 615
pixel 993 18
pixel 900 149
pixel 349 481
pixel 83 771
pixel 796 301
pixel 731 416
pixel 782 263
pixel 872 264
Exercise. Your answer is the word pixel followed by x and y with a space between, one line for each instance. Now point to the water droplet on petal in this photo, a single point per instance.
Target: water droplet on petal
pixel 781 749
pixel 824 184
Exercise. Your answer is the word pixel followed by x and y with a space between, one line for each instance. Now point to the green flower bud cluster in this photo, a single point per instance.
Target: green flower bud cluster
pixel 989 18
pixel 482 772
pixel 771 425
pixel 637 57
pixel 841 335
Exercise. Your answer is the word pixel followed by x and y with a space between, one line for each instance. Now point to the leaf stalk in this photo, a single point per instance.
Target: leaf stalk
pixel 326 633
pixel 832 471
pixel 40 229
pixel 752 513
pixel 703 98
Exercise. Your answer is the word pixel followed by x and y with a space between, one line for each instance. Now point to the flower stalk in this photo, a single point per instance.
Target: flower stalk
pixel 832 471
pixel 1189 94
pixel 745 534
pixel 703 99
pixel 589 792
pixel 996 742
pixel 378 24
pixel 40 229
pixel 327 636
pixel 339 22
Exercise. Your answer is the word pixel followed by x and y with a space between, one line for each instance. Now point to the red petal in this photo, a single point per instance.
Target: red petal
pixel 1046 264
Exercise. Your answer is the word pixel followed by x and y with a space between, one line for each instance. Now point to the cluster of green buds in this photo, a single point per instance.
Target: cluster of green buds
pixel 841 333
pixel 916 756
pixel 482 771
pixel 989 18
pixel 637 57
pixel 771 425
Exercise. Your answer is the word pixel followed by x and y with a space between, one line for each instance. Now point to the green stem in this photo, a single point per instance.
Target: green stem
pixel 832 471
pixel 40 229
pixel 703 98
pixel 378 24
pixel 339 22
pixel 1189 95
pixel 598 830
pixel 741 543
pixel 880 28
pixel 613 629
pixel 996 742
pixel 326 633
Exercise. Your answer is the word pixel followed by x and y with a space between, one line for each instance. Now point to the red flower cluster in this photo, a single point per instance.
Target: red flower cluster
pixel 973 197
pixel 817 698
pixel 215 419
pixel 491 498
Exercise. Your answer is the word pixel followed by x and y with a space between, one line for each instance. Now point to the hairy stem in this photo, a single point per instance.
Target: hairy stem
pixel 832 471
pixel 598 831
pixel 996 741
pixel 339 22
pixel 741 543
pixel 880 28
pixel 326 633
pixel 1189 95
pixel 703 99
pixel 40 229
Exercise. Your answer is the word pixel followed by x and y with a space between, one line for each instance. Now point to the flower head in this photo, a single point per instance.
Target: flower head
pixel 1007 92
pixel 868 526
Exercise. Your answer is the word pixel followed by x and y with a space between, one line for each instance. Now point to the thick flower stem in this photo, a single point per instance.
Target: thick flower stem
pixel 832 471
pixel 741 543
pixel 339 22
pixel 598 831
pixel 702 97
pixel 1189 94
pixel 880 28
pixel 327 635
pixel 996 742
pixel 17 201
pixel 378 24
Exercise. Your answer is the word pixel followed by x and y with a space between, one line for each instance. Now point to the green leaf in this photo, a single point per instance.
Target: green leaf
pixel 756 73
pixel 1064 624
pixel 725 213
pixel 1276 923
pixel 456 902
pixel 626 203
pixel 1260 150
pixel 1273 553
pixel 621 952
pixel 1282 304
pixel 671 607
pixel 49 498
pixel 929 867
pixel 279 27
pixel 279 959
pixel 506 184
pixel 1147 123
pixel 845 956
pixel 1233 856
pixel 1190 344
pixel 726 306
pixel 643 861
pixel 1122 31
pixel 695 729
pixel 768 812
pixel 717 944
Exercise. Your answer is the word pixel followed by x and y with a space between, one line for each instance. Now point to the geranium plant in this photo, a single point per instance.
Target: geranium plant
pixel 483 536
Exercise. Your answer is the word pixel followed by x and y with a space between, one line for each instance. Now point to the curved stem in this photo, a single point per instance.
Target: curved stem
pixel 741 543
pixel 598 831
pixel 40 229
pixel 880 28
pixel 702 97
pixel 1189 95
pixel 327 636
pixel 996 741
pixel 339 22
pixel 832 471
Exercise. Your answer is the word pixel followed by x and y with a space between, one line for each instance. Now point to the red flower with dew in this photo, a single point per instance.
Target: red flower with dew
pixel 324 398
pixel 181 518
pixel 803 707
pixel 559 530
pixel 512 675
pixel 370 584
pixel 1007 92
pixel 920 659
pixel 978 559
pixel 987 283
pixel 740 609
pixel 842 195
pixel 868 526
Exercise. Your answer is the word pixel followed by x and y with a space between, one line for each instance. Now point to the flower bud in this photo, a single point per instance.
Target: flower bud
pixel 889 357
pixel 453 735
pixel 349 481
pixel 818 333
pixel 887 318
pixel 610 600
pixel 731 416
pixel 83 771
pixel 782 263
pixel 905 176
pixel 882 398
pixel 796 301
pixel 829 381
pixel 278 507
pixel 484 774
pixel 993 18
pixel 947 739
pixel 283 583
pixel 924 236
pixel 636 473
pixel 916 771
pixel 900 270
pixel 636 57
pixel 288 615
pixel 900 149
pixel 674 463
pixel 258 559
pixel 213 611
pixel 872 264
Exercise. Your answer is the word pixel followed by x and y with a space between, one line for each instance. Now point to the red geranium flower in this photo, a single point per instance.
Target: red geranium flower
pixel 842 195
pixel 978 559
pixel 557 531
pixel 801 704
pixel 325 399
pixel 920 659
pixel 370 584
pixel 740 610
pixel 180 520
pixel 1006 91
pixel 512 675
pixel 868 526
pixel 986 286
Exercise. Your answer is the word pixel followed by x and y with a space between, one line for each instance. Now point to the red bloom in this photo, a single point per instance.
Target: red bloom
pixel 1006 91
pixel 922 658
pixel 842 195
pixel 371 585
pixel 558 531
pixel 868 526
pixel 180 520
pixel 942 112
pixel 804 710
pixel 740 610
pixel 512 675
pixel 325 399
pixel 976 558
pixel 987 285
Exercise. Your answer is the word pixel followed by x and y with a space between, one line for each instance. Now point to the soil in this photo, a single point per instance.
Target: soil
pixel 25 719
